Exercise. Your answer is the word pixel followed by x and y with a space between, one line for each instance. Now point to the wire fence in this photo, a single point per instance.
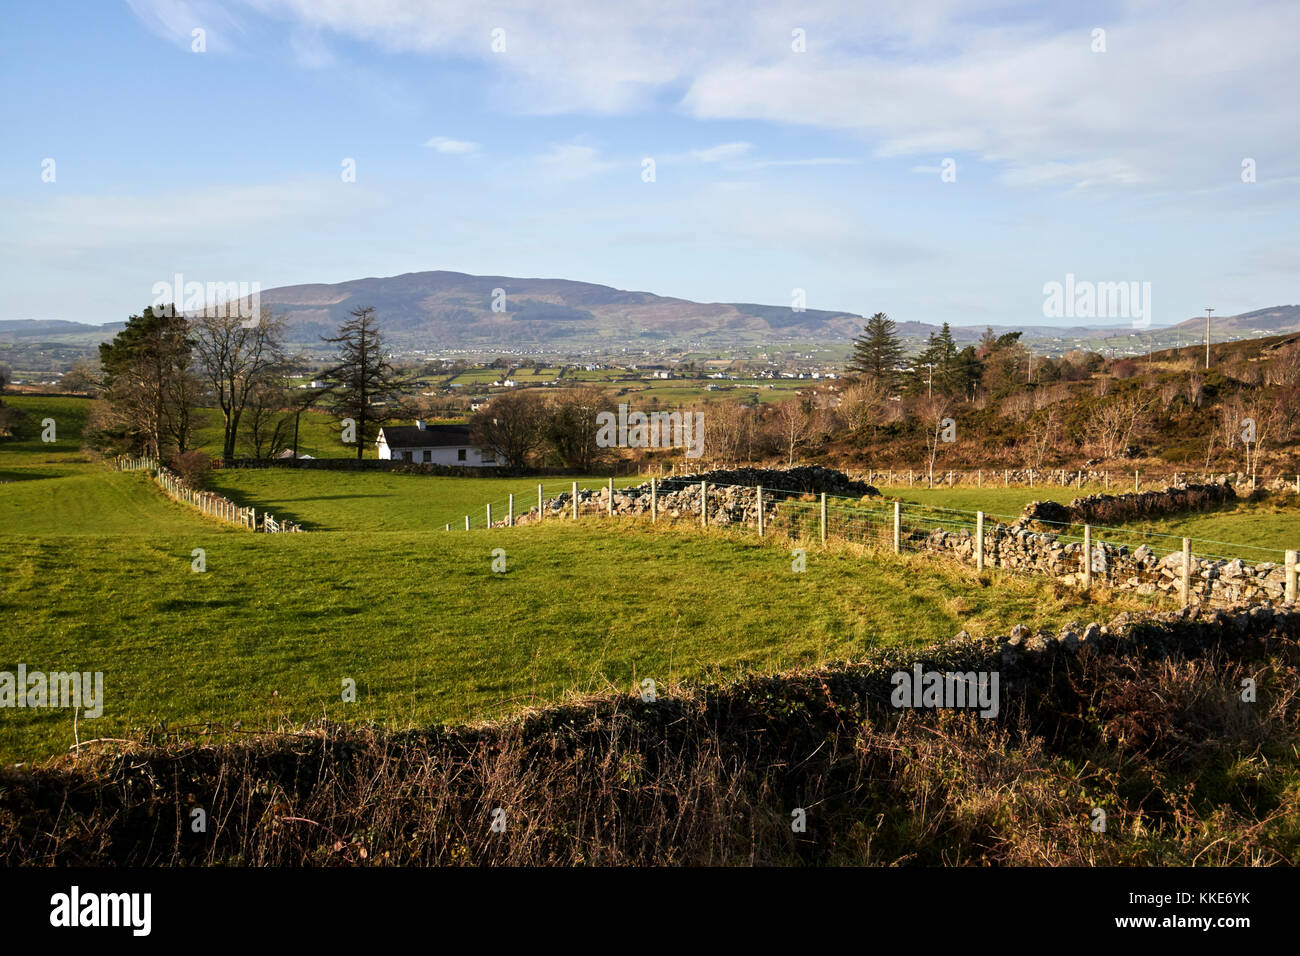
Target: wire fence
pixel 1191 570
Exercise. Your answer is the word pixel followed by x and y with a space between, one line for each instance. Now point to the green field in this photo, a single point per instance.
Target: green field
pixel 98 577
pixel 383 501
pixel 1251 530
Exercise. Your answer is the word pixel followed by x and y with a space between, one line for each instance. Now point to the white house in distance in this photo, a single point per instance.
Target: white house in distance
pixel 422 444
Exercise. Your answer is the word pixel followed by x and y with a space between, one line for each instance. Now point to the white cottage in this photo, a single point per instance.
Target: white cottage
pixel 422 444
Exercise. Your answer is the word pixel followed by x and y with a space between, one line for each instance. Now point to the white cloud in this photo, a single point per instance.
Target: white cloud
pixel 442 144
pixel 721 152
pixel 1015 85
pixel 572 161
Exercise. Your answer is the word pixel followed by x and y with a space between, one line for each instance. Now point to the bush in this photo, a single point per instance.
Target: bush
pixel 194 468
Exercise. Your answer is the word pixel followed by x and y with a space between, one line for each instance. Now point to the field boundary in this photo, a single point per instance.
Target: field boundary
pixel 1195 571
pixel 208 503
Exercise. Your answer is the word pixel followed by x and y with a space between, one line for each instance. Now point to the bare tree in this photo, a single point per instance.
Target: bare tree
pixel 571 426
pixel 794 423
pixel 1042 433
pixel 513 426
pixel 934 416
pixel 862 406
pixel 1114 424
pixel 238 357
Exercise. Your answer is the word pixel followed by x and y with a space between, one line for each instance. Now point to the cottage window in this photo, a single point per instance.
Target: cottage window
pixel 460 454
pixel 428 455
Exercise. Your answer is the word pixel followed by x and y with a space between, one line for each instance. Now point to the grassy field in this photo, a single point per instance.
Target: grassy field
pixel 97 577
pixel 430 633
pixel 1252 530
pixel 381 501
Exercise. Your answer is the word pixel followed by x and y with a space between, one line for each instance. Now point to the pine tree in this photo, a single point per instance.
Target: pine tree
pixel 364 376
pixel 877 351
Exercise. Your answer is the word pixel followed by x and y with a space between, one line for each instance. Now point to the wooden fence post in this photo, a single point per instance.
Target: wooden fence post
pixel 1185 589
pixel 1087 556
pixel 489 515
pixel 575 501
pixel 704 504
pixel 1135 481
pixel 979 478
pixel 540 509
pixel 979 541
pixel 609 507
pixel 510 515
pixel 467 522
pixel 654 500
pixel 760 511
pixel 1290 577
pixel 898 527
pixel 823 518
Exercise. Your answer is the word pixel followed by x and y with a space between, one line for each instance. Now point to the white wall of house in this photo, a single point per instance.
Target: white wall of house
pixel 466 456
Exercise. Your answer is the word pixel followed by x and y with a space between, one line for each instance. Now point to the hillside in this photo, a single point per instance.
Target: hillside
pixel 455 310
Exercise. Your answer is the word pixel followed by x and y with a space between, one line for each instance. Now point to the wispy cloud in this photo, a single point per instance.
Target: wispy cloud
pixel 443 144
pixel 573 161
pixel 721 153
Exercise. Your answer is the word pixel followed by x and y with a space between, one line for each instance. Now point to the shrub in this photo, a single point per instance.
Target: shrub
pixel 194 468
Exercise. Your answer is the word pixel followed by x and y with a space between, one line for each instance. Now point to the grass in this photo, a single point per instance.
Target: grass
pixel 384 501
pixel 430 633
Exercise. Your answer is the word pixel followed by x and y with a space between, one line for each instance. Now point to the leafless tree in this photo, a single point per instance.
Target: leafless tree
pixel 513 426
pixel 794 420
pixel 238 357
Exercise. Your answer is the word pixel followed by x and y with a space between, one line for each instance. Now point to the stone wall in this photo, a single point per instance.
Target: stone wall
pixel 1214 581
pixel 1019 547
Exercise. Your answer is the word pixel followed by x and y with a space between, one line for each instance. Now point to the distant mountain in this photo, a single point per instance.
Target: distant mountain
pixel 1277 320
pixel 453 310
pixel 448 310
pixel 56 331
pixel 441 311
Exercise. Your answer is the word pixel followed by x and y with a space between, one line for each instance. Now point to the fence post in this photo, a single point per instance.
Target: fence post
pixel 979 541
pixel 540 509
pixel 510 515
pixel 760 511
pixel 1135 481
pixel 909 477
pixel 1185 590
pixel 575 501
pixel 609 508
pixel 704 504
pixel 1290 577
pixel 898 527
pixel 979 478
pixel 1087 556
pixel 823 519
pixel 467 522
pixel 654 500
pixel 489 515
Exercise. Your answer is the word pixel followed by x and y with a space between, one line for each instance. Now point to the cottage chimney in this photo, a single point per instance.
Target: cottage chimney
pixel 419 423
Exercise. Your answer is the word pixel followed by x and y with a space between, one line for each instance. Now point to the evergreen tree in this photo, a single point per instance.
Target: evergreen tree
pixel 877 351
pixel 149 388
pixel 364 377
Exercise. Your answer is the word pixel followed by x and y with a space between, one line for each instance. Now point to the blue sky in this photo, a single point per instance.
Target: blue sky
pixel 775 169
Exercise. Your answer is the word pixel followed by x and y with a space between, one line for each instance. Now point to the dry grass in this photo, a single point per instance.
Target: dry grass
pixel 1186 771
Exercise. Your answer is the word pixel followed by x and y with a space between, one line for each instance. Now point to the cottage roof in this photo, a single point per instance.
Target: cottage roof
pixel 430 436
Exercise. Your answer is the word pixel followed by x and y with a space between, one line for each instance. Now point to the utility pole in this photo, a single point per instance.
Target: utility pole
pixel 1207 337
pixel 930 392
